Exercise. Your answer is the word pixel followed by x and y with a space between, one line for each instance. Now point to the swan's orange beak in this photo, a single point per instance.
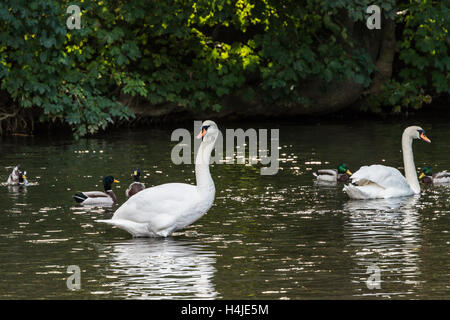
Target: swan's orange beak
pixel 424 137
pixel 201 134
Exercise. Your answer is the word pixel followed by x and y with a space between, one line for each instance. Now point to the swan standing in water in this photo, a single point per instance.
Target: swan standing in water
pixel 163 209
pixel 378 181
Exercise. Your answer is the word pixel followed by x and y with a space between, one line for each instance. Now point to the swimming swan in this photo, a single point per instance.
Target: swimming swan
pixel 378 181
pixel 163 209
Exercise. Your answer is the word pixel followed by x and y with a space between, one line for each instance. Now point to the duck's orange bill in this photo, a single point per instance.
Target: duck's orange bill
pixel 116 181
pixel 424 137
pixel 349 172
pixel 201 134
pixel 422 175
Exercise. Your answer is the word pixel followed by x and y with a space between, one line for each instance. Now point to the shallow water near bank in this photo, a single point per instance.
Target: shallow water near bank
pixel 266 237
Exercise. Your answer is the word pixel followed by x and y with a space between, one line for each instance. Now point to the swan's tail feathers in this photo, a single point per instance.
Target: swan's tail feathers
pixel 136 229
pixel 80 197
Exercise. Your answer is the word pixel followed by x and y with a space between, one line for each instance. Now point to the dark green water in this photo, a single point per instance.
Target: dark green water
pixel 266 237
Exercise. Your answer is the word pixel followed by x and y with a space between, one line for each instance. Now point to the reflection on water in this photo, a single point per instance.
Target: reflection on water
pixel 160 268
pixel 387 233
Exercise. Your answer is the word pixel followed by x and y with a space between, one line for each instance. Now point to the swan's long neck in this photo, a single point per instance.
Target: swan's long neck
pixel 203 177
pixel 408 162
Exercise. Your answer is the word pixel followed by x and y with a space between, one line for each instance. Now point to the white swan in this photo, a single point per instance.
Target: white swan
pixel 378 181
pixel 163 209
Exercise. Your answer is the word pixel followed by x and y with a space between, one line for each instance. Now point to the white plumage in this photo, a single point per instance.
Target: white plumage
pixel 378 181
pixel 160 210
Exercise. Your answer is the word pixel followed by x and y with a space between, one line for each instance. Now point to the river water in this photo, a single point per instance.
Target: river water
pixel 266 237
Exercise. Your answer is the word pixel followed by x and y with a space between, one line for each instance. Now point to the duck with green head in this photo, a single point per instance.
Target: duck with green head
pixel 98 198
pixel 341 175
pixel 136 186
pixel 17 177
pixel 427 177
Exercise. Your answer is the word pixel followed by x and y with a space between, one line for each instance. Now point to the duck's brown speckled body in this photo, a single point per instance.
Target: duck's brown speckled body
pixel 136 186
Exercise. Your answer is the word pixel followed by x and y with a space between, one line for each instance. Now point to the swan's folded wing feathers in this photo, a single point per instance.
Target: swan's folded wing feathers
pixel 150 204
pixel 383 176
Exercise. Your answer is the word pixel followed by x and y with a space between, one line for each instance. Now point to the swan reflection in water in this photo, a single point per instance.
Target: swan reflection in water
pixel 385 233
pixel 161 269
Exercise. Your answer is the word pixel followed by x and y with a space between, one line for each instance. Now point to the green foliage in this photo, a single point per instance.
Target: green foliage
pixel 45 66
pixel 194 53
pixel 423 55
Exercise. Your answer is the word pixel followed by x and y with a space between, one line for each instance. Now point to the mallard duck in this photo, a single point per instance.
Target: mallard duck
pixel 17 177
pixel 378 181
pixel 158 211
pixel 427 176
pixel 342 174
pixel 136 186
pixel 98 198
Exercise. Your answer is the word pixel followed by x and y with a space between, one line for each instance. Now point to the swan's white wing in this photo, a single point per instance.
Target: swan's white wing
pixel 378 181
pixel 160 207
pixel 385 177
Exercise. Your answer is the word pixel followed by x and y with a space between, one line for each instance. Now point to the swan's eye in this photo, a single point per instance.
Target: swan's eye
pixel 205 128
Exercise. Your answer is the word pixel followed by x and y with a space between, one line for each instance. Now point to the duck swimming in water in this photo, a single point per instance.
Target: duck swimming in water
pixel 427 177
pixel 17 177
pixel 341 175
pixel 98 198
pixel 136 186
